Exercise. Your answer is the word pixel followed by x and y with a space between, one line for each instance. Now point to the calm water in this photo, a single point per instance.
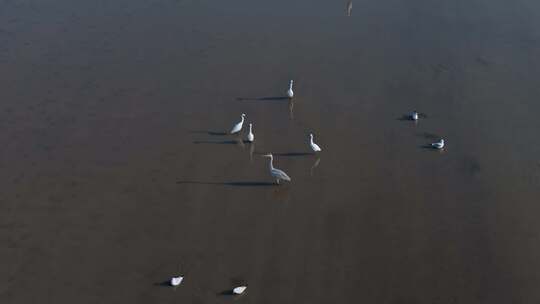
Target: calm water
pixel 114 178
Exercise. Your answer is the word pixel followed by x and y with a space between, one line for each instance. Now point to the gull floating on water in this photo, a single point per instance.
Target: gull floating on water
pixel 313 145
pixel 414 115
pixel 239 290
pixel 276 173
pixel 438 145
pixel 175 281
pixel 290 92
pixel 250 136
pixel 238 127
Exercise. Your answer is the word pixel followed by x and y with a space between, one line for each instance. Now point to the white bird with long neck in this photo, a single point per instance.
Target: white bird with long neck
pixel 238 127
pixel 250 136
pixel 313 145
pixel 290 92
pixel 276 173
pixel 239 290
pixel 438 145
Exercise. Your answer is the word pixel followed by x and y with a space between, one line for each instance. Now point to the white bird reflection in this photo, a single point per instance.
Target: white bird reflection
pixel 251 151
pixel 315 165
pixel 291 108
pixel 349 8
pixel 240 142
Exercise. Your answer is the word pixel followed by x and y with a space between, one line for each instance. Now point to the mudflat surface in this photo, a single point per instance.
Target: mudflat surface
pixel 115 176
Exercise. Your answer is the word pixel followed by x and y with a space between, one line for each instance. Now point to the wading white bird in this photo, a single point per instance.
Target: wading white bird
pixel 438 145
pixel 414 115
pixel 175 281
pixel 276 173
pixel 239 290
pixel 313 145
pixel 250 136
pixel 290 92
pixel 238 127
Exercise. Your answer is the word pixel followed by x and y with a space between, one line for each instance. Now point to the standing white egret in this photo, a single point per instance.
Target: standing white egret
pixel 250 136
pixel 238 127
pixel 276 173
pixel 313 145
pixel 175 281
pixel 438 145
pixel 414 116
pixel 239 290
pixel 290 92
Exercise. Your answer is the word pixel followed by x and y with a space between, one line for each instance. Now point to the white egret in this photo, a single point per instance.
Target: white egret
pixel 175 281
pixel 313 145
pixel 414 115
pixel 438 145
pixel 290 92
pixel 239 290
pixel 276 173
pixel 238 127
pixel 250 136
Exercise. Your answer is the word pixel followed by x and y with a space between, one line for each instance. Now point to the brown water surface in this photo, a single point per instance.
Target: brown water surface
pixel 115 176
